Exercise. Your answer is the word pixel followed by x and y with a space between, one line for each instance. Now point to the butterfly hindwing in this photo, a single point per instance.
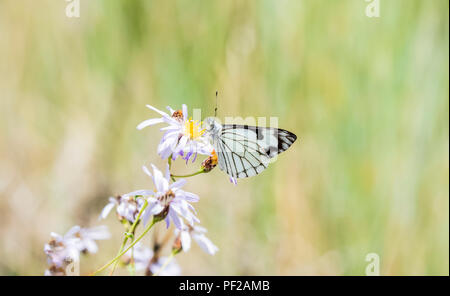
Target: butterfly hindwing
pixel 240 162
pixel 245 151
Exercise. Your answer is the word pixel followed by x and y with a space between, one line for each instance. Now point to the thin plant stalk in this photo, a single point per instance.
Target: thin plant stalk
pixel 132 231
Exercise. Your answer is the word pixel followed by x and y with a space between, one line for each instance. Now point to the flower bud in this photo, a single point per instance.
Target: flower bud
pixel 210 163
pixel 178 115
pixel 176 247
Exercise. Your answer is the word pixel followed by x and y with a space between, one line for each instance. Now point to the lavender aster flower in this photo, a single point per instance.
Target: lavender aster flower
pixel 169 201
pixel 85 237
pixel 145 259
pixel 62 251
pixel 198 234
pixel 183 137
pixel 141 256
pixel 171 269
pixel 128 206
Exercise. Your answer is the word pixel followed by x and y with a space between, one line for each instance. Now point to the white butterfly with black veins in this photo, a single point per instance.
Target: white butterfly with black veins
pixel 245 151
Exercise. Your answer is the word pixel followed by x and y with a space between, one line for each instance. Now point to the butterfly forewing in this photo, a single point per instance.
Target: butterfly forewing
pixel 245 151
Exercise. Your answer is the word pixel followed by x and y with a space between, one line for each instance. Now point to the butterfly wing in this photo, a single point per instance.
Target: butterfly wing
pixel 245 151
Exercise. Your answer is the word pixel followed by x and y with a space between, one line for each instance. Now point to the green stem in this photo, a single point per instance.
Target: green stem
pixel 129 247
pixel 169 161
pixel 120 250
pixel 132 231
pixel 190 175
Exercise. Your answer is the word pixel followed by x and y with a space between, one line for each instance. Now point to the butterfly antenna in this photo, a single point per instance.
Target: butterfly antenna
pixel 215 109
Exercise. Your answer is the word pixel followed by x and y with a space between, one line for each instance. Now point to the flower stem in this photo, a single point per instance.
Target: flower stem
pixel 169 161
pixel 120 251
pixel 154 221
pixel 129 247
pixel 190 175
pixel 132 231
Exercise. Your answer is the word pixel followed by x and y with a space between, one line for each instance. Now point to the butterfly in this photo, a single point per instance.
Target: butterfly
pixel 244 151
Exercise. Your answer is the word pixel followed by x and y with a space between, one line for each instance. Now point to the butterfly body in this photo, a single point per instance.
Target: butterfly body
pixel 245 151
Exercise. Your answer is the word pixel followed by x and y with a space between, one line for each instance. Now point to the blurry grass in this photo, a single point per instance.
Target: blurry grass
pixel 368 99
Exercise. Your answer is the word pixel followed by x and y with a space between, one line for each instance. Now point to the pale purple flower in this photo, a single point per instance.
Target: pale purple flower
pixel 198 234
pixel 84 238
pixel 127 206
pixel 171 268
pixel 144 259
pixel 61 251
pixel 64 250
pixel 169 200
pixel 141 256
pixel 182 137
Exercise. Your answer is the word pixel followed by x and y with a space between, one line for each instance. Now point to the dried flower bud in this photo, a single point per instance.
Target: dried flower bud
pixel 210 163
pixel 178 115
pixel 176 247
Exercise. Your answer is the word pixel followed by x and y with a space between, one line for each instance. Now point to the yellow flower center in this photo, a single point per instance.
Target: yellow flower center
pixel 192 129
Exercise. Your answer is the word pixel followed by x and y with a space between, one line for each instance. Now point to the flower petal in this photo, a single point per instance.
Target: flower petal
pixel 149 122
pixel 97 233
pixel 185 112
pixel 139 192
pixel 145 169
pixel 170 110
pixel 178 184
pixel 146 216
pixel 158 111
pixel 176 220
pixel 181 207
pixel 181 144
pixel 162 185
pixel 205 244
pixel 167 219
pixel 153 208
pixel 188 196
pixel 90 246
pixel 200 229
pixel 72 231
pixel 185 240
pixel 106 210
pixel 170 128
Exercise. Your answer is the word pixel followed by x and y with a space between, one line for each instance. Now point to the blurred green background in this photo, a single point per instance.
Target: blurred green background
pixel 368 98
